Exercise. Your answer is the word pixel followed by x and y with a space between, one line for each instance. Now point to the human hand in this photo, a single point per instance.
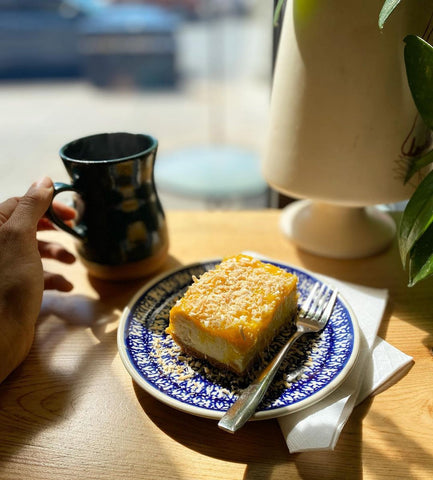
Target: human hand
pixel 56 251
pixel 22 278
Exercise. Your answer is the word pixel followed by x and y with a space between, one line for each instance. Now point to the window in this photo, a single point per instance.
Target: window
pixel 194 75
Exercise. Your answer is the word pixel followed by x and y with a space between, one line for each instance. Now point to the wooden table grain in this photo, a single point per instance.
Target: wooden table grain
pixel 71 411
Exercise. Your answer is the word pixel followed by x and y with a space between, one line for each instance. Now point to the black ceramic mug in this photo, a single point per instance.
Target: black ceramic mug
pixel 120 227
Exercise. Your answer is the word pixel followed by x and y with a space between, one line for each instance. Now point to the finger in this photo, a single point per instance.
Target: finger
pixel 54 281
pixel 32 206
pixel 55 251
pixel 6 209
pixel 64 211
pixel 45 224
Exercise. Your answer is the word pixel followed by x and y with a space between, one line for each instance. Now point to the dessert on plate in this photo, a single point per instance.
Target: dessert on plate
pixel 231 314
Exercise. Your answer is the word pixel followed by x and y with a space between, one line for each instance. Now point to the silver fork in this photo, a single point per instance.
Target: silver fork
pixel 312 318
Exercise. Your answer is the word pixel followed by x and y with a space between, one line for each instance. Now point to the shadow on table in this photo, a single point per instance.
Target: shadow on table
pixel 49 391
pixel 260 444
pixel 383 270
pixel 343 462
pixel 406 459
pixel 39 393
pixel 203 435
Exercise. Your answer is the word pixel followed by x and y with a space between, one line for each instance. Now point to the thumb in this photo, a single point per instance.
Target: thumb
pixel 32 206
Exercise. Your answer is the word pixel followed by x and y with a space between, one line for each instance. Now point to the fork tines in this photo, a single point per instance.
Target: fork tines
pixel 319 304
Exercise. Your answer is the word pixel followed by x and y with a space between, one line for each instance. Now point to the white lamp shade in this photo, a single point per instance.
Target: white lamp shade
pixel 342 121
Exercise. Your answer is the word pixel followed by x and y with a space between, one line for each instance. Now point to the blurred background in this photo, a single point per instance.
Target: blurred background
pixel 196 74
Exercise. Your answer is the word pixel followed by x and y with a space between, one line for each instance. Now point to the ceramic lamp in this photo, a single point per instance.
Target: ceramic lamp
pixel 343 124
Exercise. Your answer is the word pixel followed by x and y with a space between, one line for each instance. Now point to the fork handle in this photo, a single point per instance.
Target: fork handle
pixel 245 406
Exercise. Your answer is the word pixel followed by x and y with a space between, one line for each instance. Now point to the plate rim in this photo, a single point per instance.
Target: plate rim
pixel 215 414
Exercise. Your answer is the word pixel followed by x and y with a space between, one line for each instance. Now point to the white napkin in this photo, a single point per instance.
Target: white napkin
pixel 378 366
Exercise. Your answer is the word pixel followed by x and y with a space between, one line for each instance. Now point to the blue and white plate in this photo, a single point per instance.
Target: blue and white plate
pixel 316 365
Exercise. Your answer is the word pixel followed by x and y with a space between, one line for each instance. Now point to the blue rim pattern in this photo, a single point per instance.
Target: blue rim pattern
pixel 315 361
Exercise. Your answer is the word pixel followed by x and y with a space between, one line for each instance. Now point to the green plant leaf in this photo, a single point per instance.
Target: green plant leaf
pixel 387 8
pixel 418 57
pixel 277 12
pixel 421 258
pixel 417 217
pixel 418 163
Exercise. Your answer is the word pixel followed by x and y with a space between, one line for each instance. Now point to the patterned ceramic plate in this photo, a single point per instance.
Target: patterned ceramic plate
pixel 315 367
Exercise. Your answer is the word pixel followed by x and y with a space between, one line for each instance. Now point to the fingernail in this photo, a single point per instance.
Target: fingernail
pixel 44 182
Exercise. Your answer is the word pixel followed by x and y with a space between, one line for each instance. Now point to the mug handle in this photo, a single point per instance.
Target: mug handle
pixel 77 232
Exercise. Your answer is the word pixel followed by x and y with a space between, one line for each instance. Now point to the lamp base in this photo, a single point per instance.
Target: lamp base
pixel 337 231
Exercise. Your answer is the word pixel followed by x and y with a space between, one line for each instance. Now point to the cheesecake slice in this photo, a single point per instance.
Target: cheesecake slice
pixel 232 313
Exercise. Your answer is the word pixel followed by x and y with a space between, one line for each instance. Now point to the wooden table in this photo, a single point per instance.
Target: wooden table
pixel 71 411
